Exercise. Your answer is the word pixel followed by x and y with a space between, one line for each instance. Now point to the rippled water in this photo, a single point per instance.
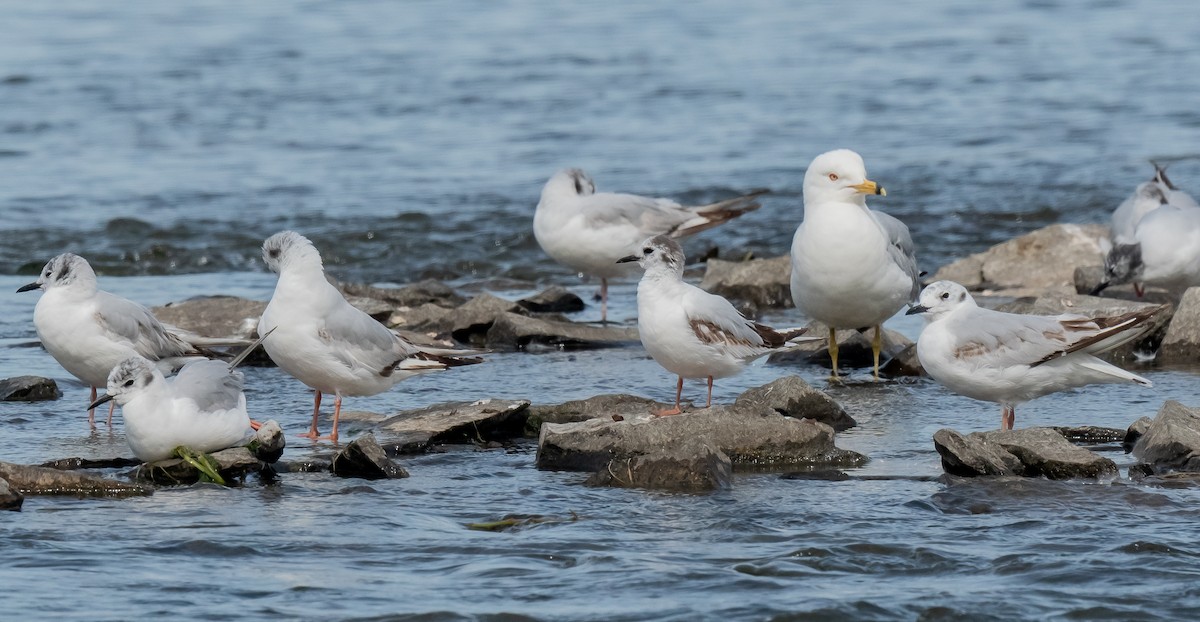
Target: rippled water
pixel 164 141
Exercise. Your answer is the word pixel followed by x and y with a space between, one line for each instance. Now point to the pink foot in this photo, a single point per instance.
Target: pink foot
pixel 667 412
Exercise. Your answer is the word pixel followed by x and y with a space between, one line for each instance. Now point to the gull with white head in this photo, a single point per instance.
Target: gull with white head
pixel 89 331
pixel 1009 358
pixel 589 231
pixel 324 342
pixel 852 267
pixel 690 332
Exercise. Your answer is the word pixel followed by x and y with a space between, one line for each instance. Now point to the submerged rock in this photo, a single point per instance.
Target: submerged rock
pixel 693 466
pixel 364 458
pixel 232 464
pixel 455 422
pixel 1039 261
pixel 612 407
pixel 1181 341
pixel 10 500
pixel 1094 306
pixel 1031 452
pixel 414 295
pixel 758 438
pixel 37 480
pixel 554 299
pixel 212 316
pixel 751 285
pixel 854 348
pixel 511 331
pixel 791 396
pixel 28 389
pixel 1172 440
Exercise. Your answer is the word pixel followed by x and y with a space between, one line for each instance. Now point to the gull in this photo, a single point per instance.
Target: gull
pixel 690 332
pixel 589 231
pixel 89 331
pixel 202 407
pixel 1155 239
pixel 1010 358
pixel 327 344
pixel 852 267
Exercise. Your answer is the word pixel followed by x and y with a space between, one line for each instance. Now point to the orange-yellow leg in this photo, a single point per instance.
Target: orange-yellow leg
pixel 1008 417
pixel 833 352
pixel 708 404
pixel 255 425
pixel 312 432
pixel 92 411
pixel 876 347
pixel 678 396
pixel 337 412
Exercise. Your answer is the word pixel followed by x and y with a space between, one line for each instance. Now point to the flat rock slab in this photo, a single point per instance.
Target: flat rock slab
pixel 755 439
pixel 233 464
pixel 612 406
pixel 28 389
pixel 1036 262
pixel 511 331
pixel 693 466
pixel 37 480
pixel 1031 452
pixel 1172 440
pixel 364 458
pixel 212 316
pixel 416 294
pixel 751 285
pixel 10 500
pixel 791 396
pixel 1181 341
pixel 456 422
pixel 554 299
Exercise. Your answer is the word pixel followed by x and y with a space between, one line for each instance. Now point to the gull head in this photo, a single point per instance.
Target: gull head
pixel 658 254
pixel 1123 264
pixel 65 270
pixel 940 298
pixel 288 248
pixel 1151 192
pixel 125 380
pixel 838 176
pixel 570 181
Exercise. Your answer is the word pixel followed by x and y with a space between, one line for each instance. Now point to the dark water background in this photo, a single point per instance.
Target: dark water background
pixel 164 141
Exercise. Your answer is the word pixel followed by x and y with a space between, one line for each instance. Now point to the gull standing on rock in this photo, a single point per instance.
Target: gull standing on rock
pixel 589 231
pixel 324 342
pixel 690 332
pixel 89 331
pixel 1010 358
pixel 851 267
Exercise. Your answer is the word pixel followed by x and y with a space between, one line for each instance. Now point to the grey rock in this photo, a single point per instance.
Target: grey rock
pixel 307 465
pixel 416 294
pixel 1181 342
pixel 791 396
pixel 1095 306
pixel 28 389
pixel 378 309
pixel 37 480
pixel 554 299
pixel 1136 430
pixel 759 439
pixel 903 363
pixel 456 422
pixel 212 316
pixel 511 331
pixel 269 442
pixel 1038 261
pixel 10 500
pixel 470 322
pixel 1031 452
pixel 693 466
pixel 753 285
pixel 1090 434
pixel 612 407
pixel 1172 440
pixel 364 458
pixel 233 464
pixel 854 348
pixel 423 316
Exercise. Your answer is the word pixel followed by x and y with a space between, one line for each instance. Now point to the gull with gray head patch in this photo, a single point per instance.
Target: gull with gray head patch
pixel 1009 358
pixel 324 342
pixel 89 331
pixel 690 332
pixel 852 267
pixel 588 231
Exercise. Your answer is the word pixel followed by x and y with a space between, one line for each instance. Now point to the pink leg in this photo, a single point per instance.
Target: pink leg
pixel 678 395
pixel 337 412
pixel 312 432
pixel 111 406
pixel 1138 289
pixel 1008 417
pixel 255 425
pixel 708 404
pixel 92 411
pixel 603 301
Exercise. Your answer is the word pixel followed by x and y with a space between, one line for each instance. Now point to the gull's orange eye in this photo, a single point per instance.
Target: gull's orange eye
pixel 833 177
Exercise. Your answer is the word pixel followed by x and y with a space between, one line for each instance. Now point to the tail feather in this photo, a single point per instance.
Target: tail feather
pixel 713 214
pixel 1116 372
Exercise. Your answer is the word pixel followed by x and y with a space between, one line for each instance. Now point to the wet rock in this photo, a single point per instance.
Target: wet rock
pixel 1031 452
pixel 212 316
pixel 751 285
pixel 72 464
pixel 414 295
pixel 554 299
pixel 471 322
pixel 28 389
pixel 37 480
pixel 903 363
pixel 791 396
pixel 419 317
pixel 518 332
pixel 456 422
pixel 1036 262
pixel 1095 306
pixel 232 464
pixel 378 309
pixel 1181 341
pixel 1135 431
pixel 752 439
pixel 307 465
pixel 10 500
pixel 364 458
pixel 269 442
pixel 693 466
pixel 854 348
pixel 601 406
pixel 1090 434
pixel 1172 440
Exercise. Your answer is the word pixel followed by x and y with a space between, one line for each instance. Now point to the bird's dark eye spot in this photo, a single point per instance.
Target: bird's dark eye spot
pixel 833 177
pixel 578 186
pixel 945 295
pixel 129 383
pixel 647 250
pixel 274 253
